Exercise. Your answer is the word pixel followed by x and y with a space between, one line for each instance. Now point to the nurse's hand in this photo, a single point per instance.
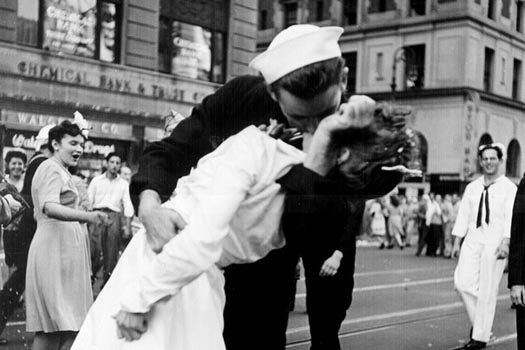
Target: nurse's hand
pixel 130 326
pixel 161 224
pixel 517 295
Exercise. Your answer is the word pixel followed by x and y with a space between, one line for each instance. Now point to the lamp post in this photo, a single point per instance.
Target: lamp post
pixel 406 54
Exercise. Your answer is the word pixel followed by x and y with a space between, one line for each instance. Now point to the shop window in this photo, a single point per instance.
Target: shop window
pixel 488 69
pixel 417 7
pixel 516 79
pixel 27 23
pixel 351 64
pixel 505 8
pixel 513 159
pixel 377 6
pixel 193 51
pixel 415 66
pixel 290 14
pixel 350 12
pixel 86 28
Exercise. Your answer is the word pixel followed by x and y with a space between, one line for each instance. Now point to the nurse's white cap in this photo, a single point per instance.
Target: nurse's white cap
pixel 295 47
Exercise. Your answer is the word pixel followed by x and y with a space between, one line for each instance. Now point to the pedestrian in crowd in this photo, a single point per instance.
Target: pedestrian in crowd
pixel 14 287
pixel 171 121
pixel 8 298
pixel 232 205
pixel 16 165
pixel 125 173
pixel 441 232
pixel 109 193
pixel 484 220
pixel 395 221
pixel 447 210
pixel 422 224
pixel 434 224
pixel 58 293
pixel 378 223
pixel 516 278
pixel 411 222
pixel 389 238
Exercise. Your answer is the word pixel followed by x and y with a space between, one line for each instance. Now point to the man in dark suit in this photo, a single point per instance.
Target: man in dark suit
pixel 516 281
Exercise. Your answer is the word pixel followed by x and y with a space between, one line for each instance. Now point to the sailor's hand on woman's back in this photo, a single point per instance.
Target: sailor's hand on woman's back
pixel 161 224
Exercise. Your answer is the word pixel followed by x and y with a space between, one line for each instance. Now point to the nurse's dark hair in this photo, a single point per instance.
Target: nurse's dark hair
pixel 311 80
pixel 58 132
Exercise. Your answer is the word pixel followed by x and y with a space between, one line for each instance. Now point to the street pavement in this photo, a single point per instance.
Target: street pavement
pixel 405 302
pixel 400 302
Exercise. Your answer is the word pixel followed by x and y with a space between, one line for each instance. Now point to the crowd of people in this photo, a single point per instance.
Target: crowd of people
pixel 229 200
pixel 425 222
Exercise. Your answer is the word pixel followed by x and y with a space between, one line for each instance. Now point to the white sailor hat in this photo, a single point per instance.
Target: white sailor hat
pixel 295 47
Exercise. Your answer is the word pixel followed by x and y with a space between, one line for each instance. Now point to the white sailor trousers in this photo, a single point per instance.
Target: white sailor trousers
pixel 476 279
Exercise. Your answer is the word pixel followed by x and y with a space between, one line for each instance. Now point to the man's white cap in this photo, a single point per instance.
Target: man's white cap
pixel 295 47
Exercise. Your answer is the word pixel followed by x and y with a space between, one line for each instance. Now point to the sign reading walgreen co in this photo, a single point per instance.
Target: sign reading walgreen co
pixel 83 73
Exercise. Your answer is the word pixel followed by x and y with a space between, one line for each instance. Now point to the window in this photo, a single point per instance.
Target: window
pixel 108 48
pixel 319 11
pixel 27 23
pixel 86 28
pixel 513 159
pixel 290 14
pixel 491 9
pixel 415 66
pixel 519 16
pixel 350 12
pixel 417 7
pixel 505 8
pixel 351 63
pixel 503 70
pixel 381 6
pixel 193 51
pixel 263 19
pixel 516 79
pixel 488 68
pixel 379 66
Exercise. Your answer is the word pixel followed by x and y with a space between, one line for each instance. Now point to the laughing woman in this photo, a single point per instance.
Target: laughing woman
pixel 58 287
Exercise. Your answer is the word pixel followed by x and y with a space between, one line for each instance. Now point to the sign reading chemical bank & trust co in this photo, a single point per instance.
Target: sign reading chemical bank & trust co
pixel 94 74
pixel 106 82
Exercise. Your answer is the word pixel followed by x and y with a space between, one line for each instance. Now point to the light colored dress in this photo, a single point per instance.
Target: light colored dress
pixel 377 224
pixel 58 286
pixel 233 207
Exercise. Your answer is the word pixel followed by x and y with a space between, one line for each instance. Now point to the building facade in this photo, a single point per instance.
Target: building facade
pixel 458 63
pixel 124 64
